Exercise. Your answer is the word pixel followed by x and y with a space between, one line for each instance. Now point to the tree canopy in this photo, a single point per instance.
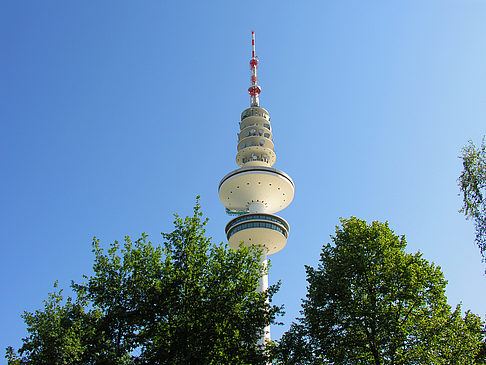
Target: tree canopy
pixel 472 183
pixel 187 301
pixel 369 302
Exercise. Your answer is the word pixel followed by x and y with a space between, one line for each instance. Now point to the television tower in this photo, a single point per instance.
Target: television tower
pixel 256 190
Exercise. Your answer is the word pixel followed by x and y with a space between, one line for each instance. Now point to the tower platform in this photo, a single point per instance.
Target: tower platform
pixel 273 188
pixel 266 230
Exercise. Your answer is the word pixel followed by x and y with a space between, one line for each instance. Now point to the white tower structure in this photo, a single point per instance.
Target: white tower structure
pixel 256 190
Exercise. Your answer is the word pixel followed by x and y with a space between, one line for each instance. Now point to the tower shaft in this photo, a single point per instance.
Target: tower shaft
pixel 256 190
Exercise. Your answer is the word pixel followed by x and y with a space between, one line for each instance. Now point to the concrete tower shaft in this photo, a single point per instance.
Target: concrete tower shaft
pixel 256 190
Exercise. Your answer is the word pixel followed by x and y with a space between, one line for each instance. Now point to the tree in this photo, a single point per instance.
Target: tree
pixel 369 302
pixel 185 302
pixel 63 333
pixel 472 183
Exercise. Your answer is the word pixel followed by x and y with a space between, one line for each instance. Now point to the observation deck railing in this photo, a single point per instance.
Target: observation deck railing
pixel 248 221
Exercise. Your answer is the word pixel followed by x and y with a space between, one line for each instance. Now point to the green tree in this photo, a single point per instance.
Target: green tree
pixel 185 302
pixel 472 183
pixel 369 302
pixel 63 333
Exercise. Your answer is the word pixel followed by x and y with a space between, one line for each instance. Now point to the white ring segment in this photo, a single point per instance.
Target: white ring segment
pixel 257 150
pixel 272 240
pixel 266 185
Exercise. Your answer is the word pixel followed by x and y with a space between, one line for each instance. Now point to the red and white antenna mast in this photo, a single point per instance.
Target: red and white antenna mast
pixel 254 90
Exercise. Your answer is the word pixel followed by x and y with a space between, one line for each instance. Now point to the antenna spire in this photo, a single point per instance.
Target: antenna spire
pixel 254 90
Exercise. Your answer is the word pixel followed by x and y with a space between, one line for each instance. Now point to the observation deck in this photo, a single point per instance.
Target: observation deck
pixel 261 229
pixel 272 188
pixel 255 140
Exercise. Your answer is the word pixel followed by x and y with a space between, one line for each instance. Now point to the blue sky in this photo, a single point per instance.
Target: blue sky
pixel 115 115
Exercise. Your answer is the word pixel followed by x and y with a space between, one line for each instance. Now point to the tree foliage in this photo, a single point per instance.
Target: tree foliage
pixel 185 302
pixel 472 183
pixel 63 333
pixel 369 302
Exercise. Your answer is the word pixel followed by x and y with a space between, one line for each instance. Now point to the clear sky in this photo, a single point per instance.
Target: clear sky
pixel 116 114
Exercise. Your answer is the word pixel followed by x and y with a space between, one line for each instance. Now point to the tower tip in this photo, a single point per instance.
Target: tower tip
pixel 254 90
